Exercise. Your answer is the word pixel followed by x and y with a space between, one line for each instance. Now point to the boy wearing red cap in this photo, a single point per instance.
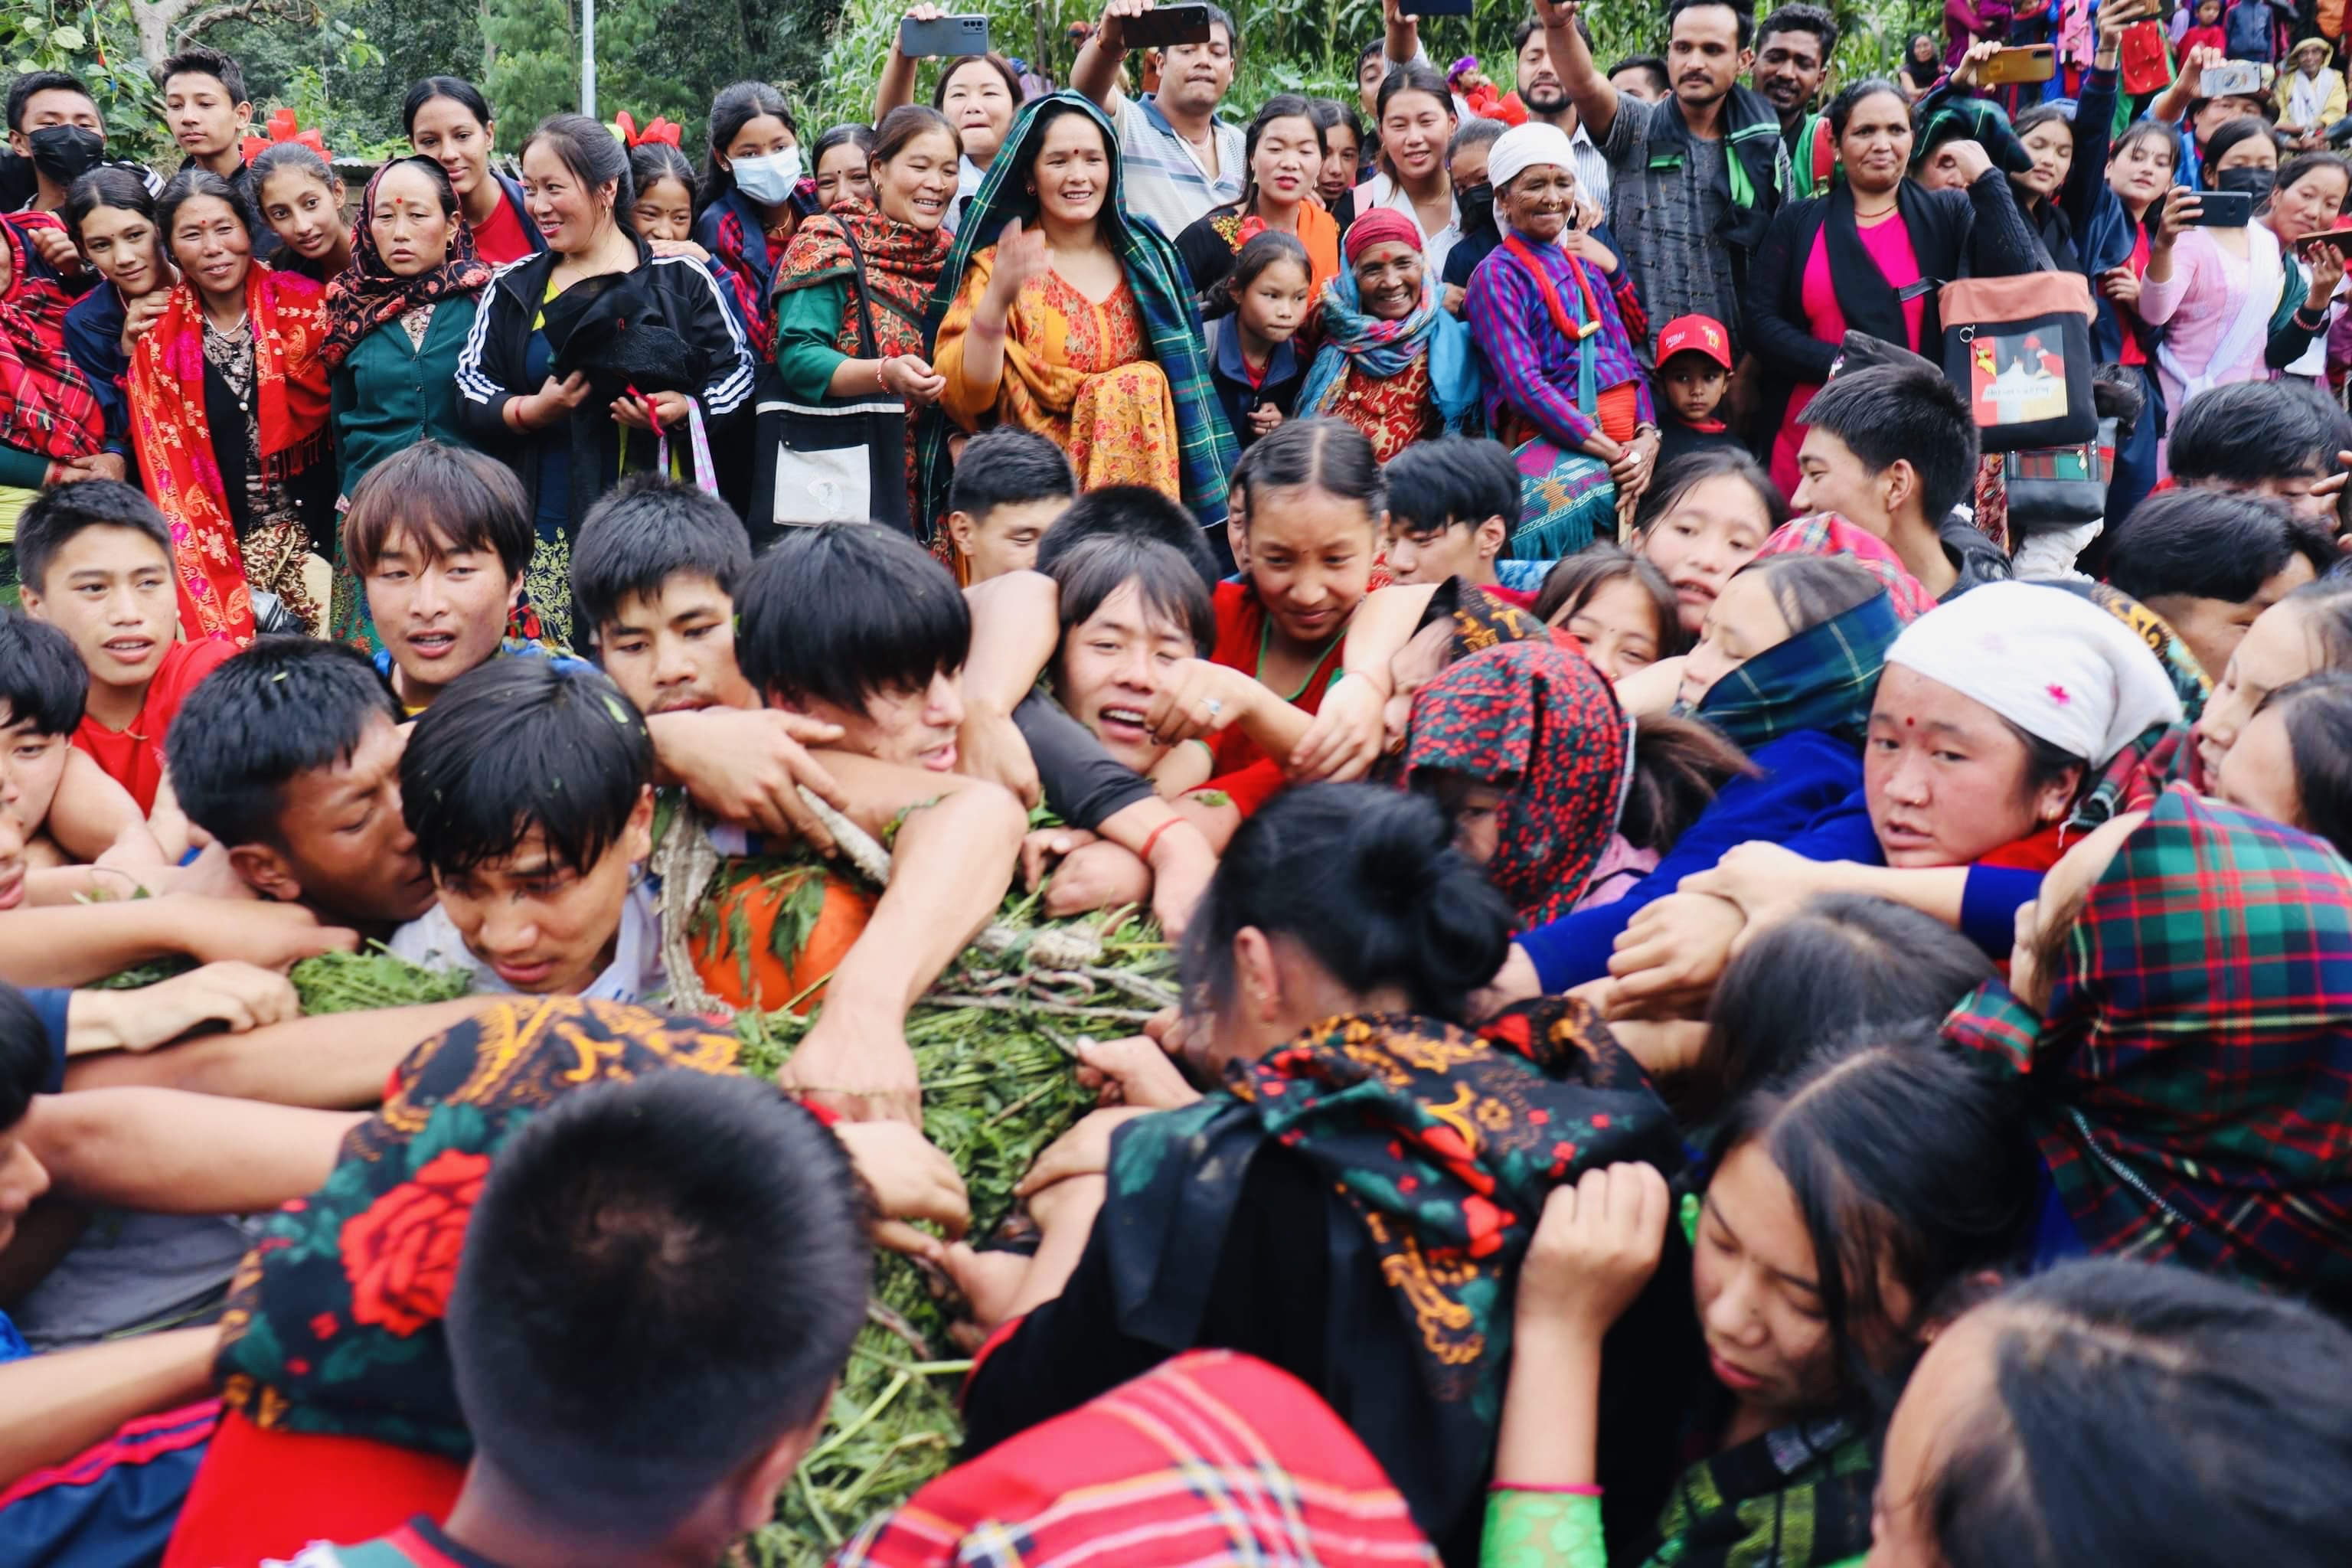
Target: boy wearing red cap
pixel 1694 372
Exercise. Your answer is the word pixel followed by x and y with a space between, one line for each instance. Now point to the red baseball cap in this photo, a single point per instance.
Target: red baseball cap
pixel 1697 335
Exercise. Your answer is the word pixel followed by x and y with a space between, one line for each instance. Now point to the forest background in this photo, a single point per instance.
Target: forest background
pixel 342 65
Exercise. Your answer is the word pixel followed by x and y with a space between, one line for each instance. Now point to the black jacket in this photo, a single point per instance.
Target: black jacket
pixel 490 372
pixel 1954 234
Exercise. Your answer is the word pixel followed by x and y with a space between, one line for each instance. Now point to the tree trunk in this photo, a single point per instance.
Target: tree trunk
pixel 156 18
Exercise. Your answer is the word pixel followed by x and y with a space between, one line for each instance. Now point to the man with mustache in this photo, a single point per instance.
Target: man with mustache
pixel 1178 158
pixel 1695 180
pixel 1547 100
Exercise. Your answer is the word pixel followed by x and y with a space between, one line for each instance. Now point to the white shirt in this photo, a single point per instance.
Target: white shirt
pixel 635 973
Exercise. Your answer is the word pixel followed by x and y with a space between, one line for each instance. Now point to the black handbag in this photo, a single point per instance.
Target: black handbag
pixel 2019 349
pixel 840 460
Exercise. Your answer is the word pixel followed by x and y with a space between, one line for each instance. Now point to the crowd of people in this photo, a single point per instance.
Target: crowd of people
pixel 1735 688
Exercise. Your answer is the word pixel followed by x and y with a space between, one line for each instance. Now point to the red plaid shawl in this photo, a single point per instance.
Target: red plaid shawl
pixel 1210 1457
pixel 2193 1079
pixel 47 406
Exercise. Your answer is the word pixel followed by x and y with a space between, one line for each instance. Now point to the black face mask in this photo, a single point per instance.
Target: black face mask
pixel 2255 183
pixel 66 152
pixel 1477 205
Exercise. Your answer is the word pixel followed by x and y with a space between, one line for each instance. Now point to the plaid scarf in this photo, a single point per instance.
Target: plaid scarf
pixel 47 406
pixel 285 313
pixel 334 1321
pixel 1821 678
pixel 1212 1457
pixel 1537 720
pixel 1443 1142
pixel 1384 349
pixel 2192 1075
pixel 1156 276
pixel 368 294
pixel 902 268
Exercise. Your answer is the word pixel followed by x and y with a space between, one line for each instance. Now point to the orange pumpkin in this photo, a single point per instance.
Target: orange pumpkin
pixel 821 914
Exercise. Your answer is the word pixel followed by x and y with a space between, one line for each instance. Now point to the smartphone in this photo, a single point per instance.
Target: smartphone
pixel 2223 209
pixel 2340 237
pixel 2233 78
pixel 2034 62
pixel 1165 25
pixel 942 35
pixel 1442 7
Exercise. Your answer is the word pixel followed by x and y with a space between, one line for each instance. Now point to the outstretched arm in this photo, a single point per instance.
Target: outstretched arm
pixel 1579 74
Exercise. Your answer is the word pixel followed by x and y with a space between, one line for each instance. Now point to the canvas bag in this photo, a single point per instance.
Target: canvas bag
pixel 839 460
pixel 2019 349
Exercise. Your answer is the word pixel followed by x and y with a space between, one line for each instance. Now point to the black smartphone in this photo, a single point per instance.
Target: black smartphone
pixel 1165 25
pixel 942 35
pixel 1442 7
pixel 2223 209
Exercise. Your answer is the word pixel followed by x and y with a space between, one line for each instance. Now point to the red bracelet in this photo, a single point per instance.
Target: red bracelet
pixel 1566 1490
pixel 1153 838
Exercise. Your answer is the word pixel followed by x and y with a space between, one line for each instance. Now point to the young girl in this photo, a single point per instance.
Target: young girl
pixel 2204 33
pixel 1819 1248
pixel 840 161
pixel 1343 148
pixel 665 205
pixel 1253 360
pixel 749 182
pixel 302 200
pixel 1703 518
pixel 1616 604
pixel 111 218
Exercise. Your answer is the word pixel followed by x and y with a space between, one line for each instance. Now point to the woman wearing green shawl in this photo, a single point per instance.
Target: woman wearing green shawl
pixel 1785 668
pixel 1060 313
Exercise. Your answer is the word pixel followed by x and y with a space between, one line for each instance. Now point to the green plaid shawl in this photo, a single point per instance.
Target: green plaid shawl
pixel 2192 1081
pixel 1821 678
pixel 1155 275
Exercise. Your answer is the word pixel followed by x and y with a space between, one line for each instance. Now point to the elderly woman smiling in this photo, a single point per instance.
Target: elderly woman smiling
pixel 1555 329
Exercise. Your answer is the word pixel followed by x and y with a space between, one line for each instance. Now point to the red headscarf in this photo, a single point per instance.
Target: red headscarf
pixel 1381 226
pixel 368 294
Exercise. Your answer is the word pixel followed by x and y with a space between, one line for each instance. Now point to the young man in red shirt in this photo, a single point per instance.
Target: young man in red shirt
pixel 95 561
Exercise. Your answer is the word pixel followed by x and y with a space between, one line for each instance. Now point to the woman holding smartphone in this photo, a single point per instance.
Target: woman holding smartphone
pixel 978 93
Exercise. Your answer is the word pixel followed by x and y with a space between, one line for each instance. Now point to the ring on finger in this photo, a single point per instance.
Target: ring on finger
pixel 1215 705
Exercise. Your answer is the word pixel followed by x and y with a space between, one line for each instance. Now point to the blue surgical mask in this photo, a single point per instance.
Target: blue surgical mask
pixel 768 180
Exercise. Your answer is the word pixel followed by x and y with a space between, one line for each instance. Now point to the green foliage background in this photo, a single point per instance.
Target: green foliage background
pixel 343 65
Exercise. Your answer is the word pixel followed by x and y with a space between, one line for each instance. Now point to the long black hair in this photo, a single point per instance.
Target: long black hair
pixel 2140 1414
pixel 1367 881
pixel 735 105
pixel 1911 1168
pixel 456 89
pixel 1281 106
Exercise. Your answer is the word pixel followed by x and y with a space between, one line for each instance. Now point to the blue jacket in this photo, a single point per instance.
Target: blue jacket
pixel 1808 797
pixel 93 334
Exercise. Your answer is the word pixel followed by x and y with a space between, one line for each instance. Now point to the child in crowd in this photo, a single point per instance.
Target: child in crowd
pixel 654 575
pixel 1254 359
pixel 57 806
pixel 1693 374
pixel 664 210
pixel 1453 503
pixel 1703 518
pixel 1617 604
pixel 96 561
pixel 541 888
pixel 1010 485
pixel 1893 450
pixel 440 536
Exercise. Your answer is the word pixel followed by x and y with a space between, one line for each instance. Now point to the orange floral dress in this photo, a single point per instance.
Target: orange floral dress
pixel 1392 413
pixel 1078 373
